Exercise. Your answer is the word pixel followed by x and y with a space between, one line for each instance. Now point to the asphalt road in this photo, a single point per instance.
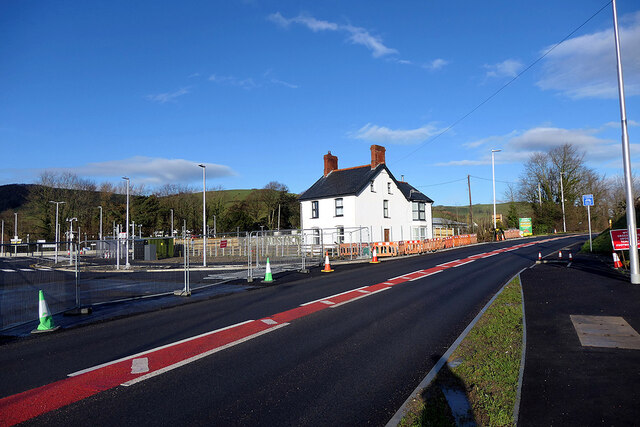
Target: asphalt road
pixel 352 364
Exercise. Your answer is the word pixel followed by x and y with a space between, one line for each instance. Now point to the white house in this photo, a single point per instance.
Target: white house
pixel 364 204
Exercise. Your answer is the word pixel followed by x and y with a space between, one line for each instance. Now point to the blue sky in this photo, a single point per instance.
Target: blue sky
pixel 261 90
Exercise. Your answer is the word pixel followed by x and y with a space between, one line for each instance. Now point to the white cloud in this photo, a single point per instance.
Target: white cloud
pixel 283 83
pixel 506 68
pixel 498 139
pixel 436 64
pixel 152 170
pixel 383 134
pixel 585 66
pixel 166 97
pixel 356 35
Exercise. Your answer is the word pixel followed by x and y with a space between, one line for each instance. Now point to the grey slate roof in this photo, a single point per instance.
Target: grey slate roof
pixel 351 181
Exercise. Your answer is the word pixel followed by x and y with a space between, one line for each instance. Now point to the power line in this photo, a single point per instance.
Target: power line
pixel 441 183
pixel 489 179
pixel 473 110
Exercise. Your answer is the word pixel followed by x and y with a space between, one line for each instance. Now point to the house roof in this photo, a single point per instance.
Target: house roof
pixel 351 181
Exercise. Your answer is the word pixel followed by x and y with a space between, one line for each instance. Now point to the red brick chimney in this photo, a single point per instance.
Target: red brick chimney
pixel 330 163
pixel 377 156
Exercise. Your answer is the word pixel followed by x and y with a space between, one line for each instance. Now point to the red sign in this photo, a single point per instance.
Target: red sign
pixel 223 244
pixel 620 240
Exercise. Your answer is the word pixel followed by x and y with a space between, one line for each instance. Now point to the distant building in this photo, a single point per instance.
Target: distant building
pixel 364 203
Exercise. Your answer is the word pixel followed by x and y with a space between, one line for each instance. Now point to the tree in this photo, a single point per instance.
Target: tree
pixel 540 185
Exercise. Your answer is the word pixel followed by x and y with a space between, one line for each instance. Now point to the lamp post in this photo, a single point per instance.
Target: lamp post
pixel 57 231
pixel 626 160
pixel 564 222
pixel 15 231
pixel 204 215
pixel 493 173
pixel 70 221
pixel 100 235
pixel 127 226
pixel 171 222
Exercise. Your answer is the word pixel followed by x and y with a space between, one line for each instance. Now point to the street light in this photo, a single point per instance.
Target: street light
pixel 493 173
pixel 564 223
pixel 204 215
pixel 100 207
pixel 127 227
pixel 171 222
pixel 57 232
pixel 634 265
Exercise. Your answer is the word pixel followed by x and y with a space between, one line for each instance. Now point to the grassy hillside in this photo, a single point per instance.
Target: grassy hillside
pixel 481 212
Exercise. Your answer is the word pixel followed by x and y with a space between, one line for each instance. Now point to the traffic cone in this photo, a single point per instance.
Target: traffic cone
pixel 46 321
pixel 570 257
pixel 616 261
pixel 559 254
pixel 539 256
pixel 374 260
pixel 327 267
pixel 268 278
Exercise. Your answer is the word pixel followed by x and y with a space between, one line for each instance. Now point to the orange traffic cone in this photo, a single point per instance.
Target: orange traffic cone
pixel 374 260
pixel 327 267
pixel 539 256
pixel 570 257
pixel 616 261
pixel 559 254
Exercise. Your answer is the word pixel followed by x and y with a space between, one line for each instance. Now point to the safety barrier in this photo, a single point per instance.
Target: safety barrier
pixel 411 247
pixel 352 249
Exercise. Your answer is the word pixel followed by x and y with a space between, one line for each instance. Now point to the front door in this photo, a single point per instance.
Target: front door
pixel 386 234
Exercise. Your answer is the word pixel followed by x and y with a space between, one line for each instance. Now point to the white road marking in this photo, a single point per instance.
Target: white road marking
pixel 269 321
pixel 140 366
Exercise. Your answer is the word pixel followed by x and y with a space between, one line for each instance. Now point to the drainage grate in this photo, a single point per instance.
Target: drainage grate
pixel 605 331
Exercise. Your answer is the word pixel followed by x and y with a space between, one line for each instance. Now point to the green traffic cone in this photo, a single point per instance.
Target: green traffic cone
pixel 268 278
pixel 46 320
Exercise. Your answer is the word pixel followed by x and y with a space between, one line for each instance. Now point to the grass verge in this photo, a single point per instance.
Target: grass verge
pixel 483 370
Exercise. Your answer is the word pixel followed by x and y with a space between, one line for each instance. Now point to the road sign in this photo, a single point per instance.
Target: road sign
pixel 223 244
pixel 16 241
pixel 587 200
pixel 122 235
pixel 620 240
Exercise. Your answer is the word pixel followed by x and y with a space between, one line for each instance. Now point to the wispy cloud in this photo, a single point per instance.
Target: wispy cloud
pixel 584 66
pixel 382 134
pixel 436 64
pixel 506 68
pixel 167 97
pixel 518 146
pixel 153 170
pixel 355 35
pixel 283 83
pixel 244 83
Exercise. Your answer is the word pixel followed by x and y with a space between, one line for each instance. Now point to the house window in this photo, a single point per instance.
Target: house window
pixel 385 208
pixel 314 209
pixel 340 234
pixel 371 187
pixel 339 211
pixel 316 236
pixel 419 211
pixel 388 187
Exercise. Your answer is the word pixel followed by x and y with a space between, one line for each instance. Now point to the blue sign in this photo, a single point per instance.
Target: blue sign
pixel 587 200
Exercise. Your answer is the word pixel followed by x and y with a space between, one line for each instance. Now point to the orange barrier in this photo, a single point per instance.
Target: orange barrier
pixel 386 249
pixel 351 249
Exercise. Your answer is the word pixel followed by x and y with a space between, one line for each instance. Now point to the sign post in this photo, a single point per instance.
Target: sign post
pixel 587 200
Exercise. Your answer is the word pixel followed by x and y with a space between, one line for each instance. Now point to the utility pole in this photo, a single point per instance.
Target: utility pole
pixel 470 205
pixel 564 222
pixel 539 195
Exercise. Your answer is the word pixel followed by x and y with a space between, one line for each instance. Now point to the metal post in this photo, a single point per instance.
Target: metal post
pixel 133 240
pixel 117 231
pixel 127 226
pixel 564 223
pixel 2 244
pixel 493 174
pixel 204 215
pixel 171 222
pixel 626 156
pixel 589 218
pixel 15 232
pixel 57 230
